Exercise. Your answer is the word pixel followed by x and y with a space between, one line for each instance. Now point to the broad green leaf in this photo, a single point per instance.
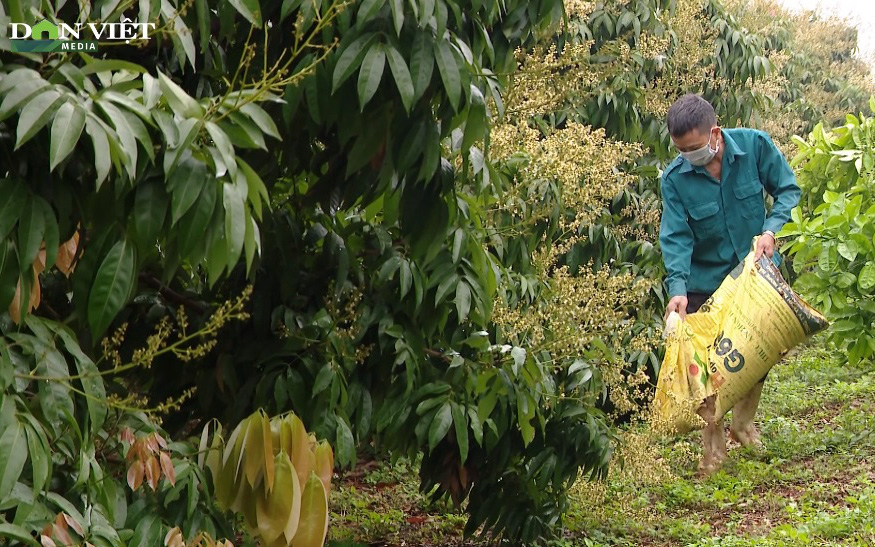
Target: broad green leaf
pixel 235 222
pixel 344 443
pixel 112 285
pixel 188 131
pixel 217 251
pixel 13 455
pixel 18 96
pixel 203 23
pixel 90 378
pixel 405 278
pixel 13 531
pixel 261 118
pixel 147 532
pixel 866 279
pixel 256 190
pixel 242 132
pixel 313 525
pixel 350 59
pixel 35 115
pixel 220 138
pixel 397 7
pixel 367 9
pixel 477 124
pixel 54 395
pixel 102 156
pixel 402 76
pixel 94 66
pixel 126 123
pixel 421 64
pixel 460 425
pixel 14 194
pixel 449 71
pixel 39 454
pixel 31 231
pixel 440 425
pixel 150 210
pixel 280 510
pixel 463 300
pixel 251 241
pixel 185 184
pixel 848 250
pixel 194 223
pixel 371 73
pixel 828 258
pixel 9 272
pixel 125 134
pixel 250 9
pixel 66 130
pixel 180 101
pixel 51 236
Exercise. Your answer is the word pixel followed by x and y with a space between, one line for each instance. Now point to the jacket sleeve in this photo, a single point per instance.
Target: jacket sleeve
pixel 779 181
pixel 675 239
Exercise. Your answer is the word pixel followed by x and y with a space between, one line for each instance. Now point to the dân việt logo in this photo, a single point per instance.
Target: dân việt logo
pixel 46 36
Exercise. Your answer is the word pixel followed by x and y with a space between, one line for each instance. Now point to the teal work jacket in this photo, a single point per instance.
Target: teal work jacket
pixel 707 225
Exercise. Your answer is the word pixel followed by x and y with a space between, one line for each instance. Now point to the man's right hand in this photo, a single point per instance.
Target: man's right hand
pixel 678 304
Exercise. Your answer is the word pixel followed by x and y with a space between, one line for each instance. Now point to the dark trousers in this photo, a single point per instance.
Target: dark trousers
pixel 695 301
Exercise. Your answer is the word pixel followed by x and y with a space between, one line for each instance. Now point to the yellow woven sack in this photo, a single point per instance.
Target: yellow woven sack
pixel 731 343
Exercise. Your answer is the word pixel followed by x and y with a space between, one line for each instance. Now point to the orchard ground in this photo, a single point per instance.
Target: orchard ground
pixel 811 483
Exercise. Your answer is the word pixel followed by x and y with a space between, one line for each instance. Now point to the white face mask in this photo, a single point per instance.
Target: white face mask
pixel 701 156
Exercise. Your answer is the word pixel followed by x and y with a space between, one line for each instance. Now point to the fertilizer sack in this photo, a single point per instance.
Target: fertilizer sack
pixel 730 344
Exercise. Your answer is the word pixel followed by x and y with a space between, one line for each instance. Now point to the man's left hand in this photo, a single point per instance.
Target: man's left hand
pixel 765 246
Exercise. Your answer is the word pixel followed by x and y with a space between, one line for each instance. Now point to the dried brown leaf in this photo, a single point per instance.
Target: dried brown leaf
pixel 167 468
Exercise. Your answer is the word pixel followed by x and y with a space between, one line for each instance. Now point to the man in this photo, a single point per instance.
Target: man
pixel 713 207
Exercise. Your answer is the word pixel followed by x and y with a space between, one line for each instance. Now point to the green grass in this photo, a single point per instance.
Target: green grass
pixel 812 482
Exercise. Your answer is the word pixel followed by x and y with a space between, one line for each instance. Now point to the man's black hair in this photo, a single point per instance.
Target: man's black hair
pixel 690 112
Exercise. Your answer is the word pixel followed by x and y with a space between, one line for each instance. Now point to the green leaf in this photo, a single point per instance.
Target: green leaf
pixel 866 279
pixel 36 114
pixel 440 425
pixel 111 65
pixel 476 125
pixel 51 237
pixel 313 526
pixel 350 59
pixel 38 451
pixel 371 73
pixel 250 9
pixel 14 199
pixel 195 222
pixel 13 454
pixel 220 138
pixel 828 258
pixel 461 429
pixel 406 278
pixel 112 286
pixel 235 223
pixel 463 300
pixel 188 131
pixel 54 394
pixel 449 71
pixel 848 250
pixel 19 95
pixel 402 76
pixel 9 272
pixel 31 231
pixel 178 99
pixel 421 65
pixel 90 378
pixel 345 443
pixel 261 118
pixel 102 156
pixel 367 10
pixel 185 184
pixel 256 190
pixel 397 7
pixel 150 210
pixel 203 23
pixel 13 531
pixel 66 130
pixel 251 241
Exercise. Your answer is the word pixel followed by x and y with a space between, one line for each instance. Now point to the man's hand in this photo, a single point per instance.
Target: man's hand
pixel 678 304
pixel 765 246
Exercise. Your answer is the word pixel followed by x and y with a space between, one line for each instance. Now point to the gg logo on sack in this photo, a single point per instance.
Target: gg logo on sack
pixel 732 359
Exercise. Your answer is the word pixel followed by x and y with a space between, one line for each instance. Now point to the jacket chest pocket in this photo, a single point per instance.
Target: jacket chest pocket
pixel 749 194
pixel 706 220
